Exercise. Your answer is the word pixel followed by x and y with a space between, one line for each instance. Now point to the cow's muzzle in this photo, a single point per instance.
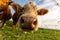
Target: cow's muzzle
pixel 28 22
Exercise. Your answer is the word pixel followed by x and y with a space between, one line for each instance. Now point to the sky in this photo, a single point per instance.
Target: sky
pixel 54 10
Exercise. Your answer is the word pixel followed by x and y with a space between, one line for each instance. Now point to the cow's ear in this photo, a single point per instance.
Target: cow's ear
pixel 42 11
pixel 16 7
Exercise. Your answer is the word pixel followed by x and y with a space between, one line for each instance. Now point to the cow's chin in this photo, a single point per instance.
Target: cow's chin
pixel 27 28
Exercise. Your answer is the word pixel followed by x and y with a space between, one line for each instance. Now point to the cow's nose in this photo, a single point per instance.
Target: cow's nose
pixel 28 20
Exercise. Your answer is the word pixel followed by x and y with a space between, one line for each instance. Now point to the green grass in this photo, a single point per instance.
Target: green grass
pixel 42 34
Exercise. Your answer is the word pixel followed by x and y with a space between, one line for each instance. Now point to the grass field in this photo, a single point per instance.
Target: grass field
pixel 41 34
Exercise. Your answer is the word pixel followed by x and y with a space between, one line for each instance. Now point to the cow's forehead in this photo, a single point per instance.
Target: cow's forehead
pixel 30 5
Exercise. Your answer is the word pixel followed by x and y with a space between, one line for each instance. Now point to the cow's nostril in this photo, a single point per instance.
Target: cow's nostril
pixel 22 20
pixel 35 22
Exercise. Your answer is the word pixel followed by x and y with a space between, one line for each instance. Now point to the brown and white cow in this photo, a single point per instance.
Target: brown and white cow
pixel 5 13
pixel 26 16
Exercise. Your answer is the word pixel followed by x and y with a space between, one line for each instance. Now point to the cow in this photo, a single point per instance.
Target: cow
pixel 5 12
pixel 26 16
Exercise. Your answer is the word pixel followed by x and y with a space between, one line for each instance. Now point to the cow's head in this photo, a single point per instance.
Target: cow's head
pixel 28 19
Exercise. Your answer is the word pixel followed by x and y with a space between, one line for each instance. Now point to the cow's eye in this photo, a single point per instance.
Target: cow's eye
pixel 22 20
pixel 22 9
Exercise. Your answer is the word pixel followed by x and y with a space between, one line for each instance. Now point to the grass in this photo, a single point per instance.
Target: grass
pixel 42 34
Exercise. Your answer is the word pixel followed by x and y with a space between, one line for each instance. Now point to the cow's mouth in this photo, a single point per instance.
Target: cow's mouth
pixel 28 22
pixel 28 25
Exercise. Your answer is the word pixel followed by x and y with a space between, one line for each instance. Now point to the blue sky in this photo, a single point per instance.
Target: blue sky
pixel 22 2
